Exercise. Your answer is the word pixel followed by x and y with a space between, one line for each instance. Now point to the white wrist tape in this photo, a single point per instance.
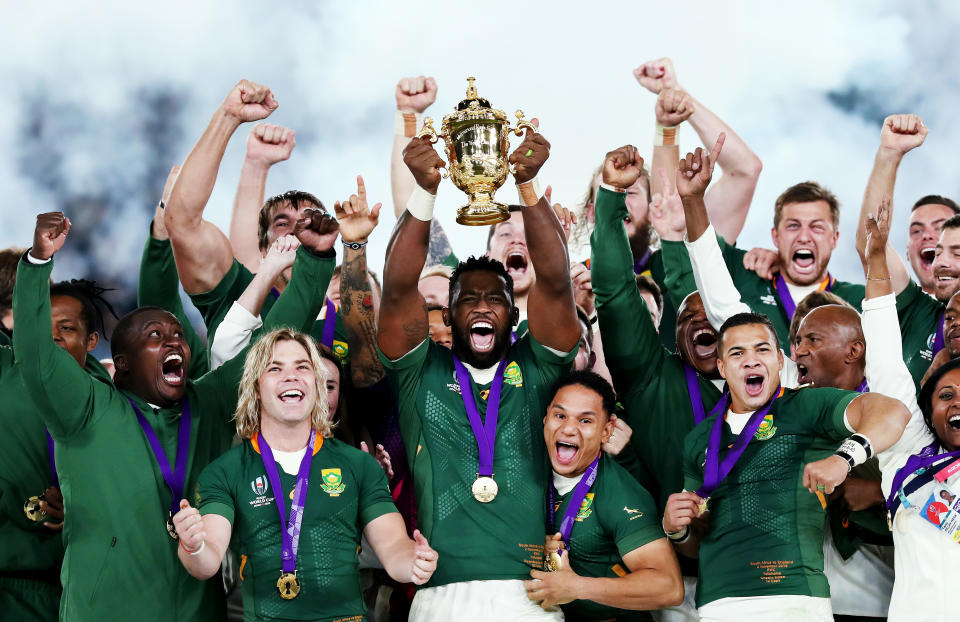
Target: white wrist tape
pixel 420 204
pixel 407 123
pixel 529 192
pixel 665 136
pixel 203 545
pixel 856 450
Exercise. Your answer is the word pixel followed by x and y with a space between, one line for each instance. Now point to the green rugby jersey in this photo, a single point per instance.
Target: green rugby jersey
pixel 348 489
pixel 616 517
pixel 213 306
pixel 919 315
pixel 159 286
pixel 502 539
pixel 766 530
pixel 757 293
pixel 650 382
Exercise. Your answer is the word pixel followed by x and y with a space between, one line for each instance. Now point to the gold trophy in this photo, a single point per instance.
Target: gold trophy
pixel 477 144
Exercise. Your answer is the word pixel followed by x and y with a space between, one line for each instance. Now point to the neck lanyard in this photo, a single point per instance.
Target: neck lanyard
pixel 783 292
pixel 579 494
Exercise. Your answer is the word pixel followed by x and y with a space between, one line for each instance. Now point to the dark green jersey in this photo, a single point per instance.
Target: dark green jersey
pixel 108 473
pixel 348 489
pixel 650 381
pixel 502 539
pixel 919 315
pixel 617 516
pixel 213 306
pixel 766 530
pixel 757 293
pixel 159 286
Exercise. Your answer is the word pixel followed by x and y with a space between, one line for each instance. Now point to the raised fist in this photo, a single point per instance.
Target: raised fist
pixel 357 221
pixel 655 75
pixel 673 107
pixel 681 509
pixel 530 155
pixel 902 132
pixel 49 235
pixel 281 255
pixel 424 163
pixel 696 170
pixel 189 526
pixel 270 143
pixel 248 101
pixel 416 94
pixel 316 230
pixel 621 167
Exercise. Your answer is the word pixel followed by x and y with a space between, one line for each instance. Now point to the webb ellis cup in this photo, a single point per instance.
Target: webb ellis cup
pixel 477 145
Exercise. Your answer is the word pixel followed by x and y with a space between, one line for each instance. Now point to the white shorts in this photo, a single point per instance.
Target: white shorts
pixel 787 608
pixel 478 601
pixel 685 611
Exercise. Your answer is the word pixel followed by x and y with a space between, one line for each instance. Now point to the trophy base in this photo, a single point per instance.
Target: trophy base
pixel 477 213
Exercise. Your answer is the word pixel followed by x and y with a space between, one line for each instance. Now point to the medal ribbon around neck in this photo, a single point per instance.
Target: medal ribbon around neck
pixel 921 464
pixel 579 494
pixel 329 325
pixel 484 431
pixel 716 469
pixel 696 397
pixel 53 461
pixel 783 292
pixel 174 478
pixel 290 527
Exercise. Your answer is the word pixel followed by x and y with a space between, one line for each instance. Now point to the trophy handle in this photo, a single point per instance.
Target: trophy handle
pixel 428 132
pixel 522 124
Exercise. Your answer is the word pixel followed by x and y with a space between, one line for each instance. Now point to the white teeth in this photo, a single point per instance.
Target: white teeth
pixel 702 331
pixel 954 418
pixel 173 357
pixel 803 253
pixel 291 393
pixel 482 324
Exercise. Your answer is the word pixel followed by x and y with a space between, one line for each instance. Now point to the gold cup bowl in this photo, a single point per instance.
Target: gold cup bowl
pixel 477 146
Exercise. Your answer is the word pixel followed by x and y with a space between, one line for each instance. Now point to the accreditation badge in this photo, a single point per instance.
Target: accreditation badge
pixel 942 509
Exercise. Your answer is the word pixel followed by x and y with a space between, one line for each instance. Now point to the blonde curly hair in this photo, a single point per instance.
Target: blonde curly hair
pixel 247 415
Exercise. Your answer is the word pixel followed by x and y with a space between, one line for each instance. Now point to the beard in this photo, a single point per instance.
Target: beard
pixel 481 360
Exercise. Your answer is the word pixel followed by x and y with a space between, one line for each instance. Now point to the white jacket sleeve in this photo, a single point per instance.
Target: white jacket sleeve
pixel 233 334
pixel 721 298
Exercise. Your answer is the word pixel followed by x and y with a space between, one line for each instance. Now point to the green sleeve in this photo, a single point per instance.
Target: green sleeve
pixel 302 298
pixel 631 344
pixel 551 364
pixel 213 491
pixel 375 499
pixel 634 519
pixel 159 286
pixel 692 448
pixel 678 281
pixel 406 371
pixel 60 387
pixel 830 404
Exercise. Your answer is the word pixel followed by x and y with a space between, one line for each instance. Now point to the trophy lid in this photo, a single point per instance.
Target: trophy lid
pixel 472 97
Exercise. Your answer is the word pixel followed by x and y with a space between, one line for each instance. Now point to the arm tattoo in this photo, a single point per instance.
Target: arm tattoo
pixel 439 245
pixel 356 307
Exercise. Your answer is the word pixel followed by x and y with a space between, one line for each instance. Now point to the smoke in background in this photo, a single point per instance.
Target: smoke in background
pixel 101 104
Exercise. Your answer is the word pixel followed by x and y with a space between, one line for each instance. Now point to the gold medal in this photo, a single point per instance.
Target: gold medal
pixel 554 561
pixel 289 585
pixel 485 489
pixel 171 530
pixel 702 508
pixel 31 507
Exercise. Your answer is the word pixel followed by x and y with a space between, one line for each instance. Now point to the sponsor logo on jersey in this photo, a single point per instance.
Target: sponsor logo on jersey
pixel 455 385
pixel 586 507
pixel 768 299
pixel 931 339
pixel 341 349
pixel 766 429
pixel 331 480
pixel 512 374
pixel 260 485
pixel 632 512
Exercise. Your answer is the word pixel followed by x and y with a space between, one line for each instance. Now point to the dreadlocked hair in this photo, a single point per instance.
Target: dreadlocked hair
pixel 91 300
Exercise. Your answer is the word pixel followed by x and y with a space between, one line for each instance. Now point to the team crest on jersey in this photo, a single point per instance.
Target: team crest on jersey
pixel 766 429
pixel 512 374
pixel 260 485
pixel 586 507
pixel 632 513
pixel 331 480
pixel 341 349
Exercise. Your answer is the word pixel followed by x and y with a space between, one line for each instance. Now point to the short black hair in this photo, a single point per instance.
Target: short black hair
pixel 951 223
pixel 745 319
pixel 91 300
pixel 473 264
pixel 512 208
pixel 936 199
pixel 121 331
pixel 595 383
pixel 925 398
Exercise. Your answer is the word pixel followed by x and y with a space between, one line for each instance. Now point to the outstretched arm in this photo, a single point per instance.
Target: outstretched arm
pixel 202 252
pixel 266 145
pixel 552 313
pixel 403 314
pixel 900 134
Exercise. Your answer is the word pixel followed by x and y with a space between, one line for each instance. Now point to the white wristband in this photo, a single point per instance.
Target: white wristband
pixel 529 192
pixel 420 204
pixel 203 545
pixel 856 450
pixel 407 123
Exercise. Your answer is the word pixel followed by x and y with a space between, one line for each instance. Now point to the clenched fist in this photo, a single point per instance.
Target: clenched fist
pixel 902 132
pixel 269 144
pixel 655 75
pixel 249 101
pixel 49 234
pixel 416 94
pixel 316 230
pixel 673 107
pixel 621 167
pixel 529 157
pixel 424 163
pixel 189 526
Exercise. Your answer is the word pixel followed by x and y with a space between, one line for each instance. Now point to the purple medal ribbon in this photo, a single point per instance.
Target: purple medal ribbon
pixel 291 527
pixel 484 431
pixel 53 460
pixel 938 338
pixel 922 464
pixel 641 264
pixel 864 387
pixel 696 399
pixel 579 494
pixel 329 324
pixel 275 293
pixel 783 292
pixel 715 469
pixel 174 478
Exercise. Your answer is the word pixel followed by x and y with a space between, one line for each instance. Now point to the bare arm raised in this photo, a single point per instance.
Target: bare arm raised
pixel 202 252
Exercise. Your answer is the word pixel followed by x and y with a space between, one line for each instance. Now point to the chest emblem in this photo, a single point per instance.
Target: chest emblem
pixel 512 374
pixel 586 508
pixel 766 429
pixel 331 480
pixel 633 513
pixel 259 486
pixel 341 349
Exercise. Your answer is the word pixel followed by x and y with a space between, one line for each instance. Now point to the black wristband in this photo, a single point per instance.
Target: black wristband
pixel 355 245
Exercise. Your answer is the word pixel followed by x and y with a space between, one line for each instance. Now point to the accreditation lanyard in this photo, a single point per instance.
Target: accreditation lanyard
pixel 938 337
pixel 53 461
pixel 924 465
pixel 641 264
pixel 290 527
pixel 176 477
pixel 696 397
pixel 329 319
pixel 485 431
pixel 783 292
pixel 579 494
pixel 715 469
